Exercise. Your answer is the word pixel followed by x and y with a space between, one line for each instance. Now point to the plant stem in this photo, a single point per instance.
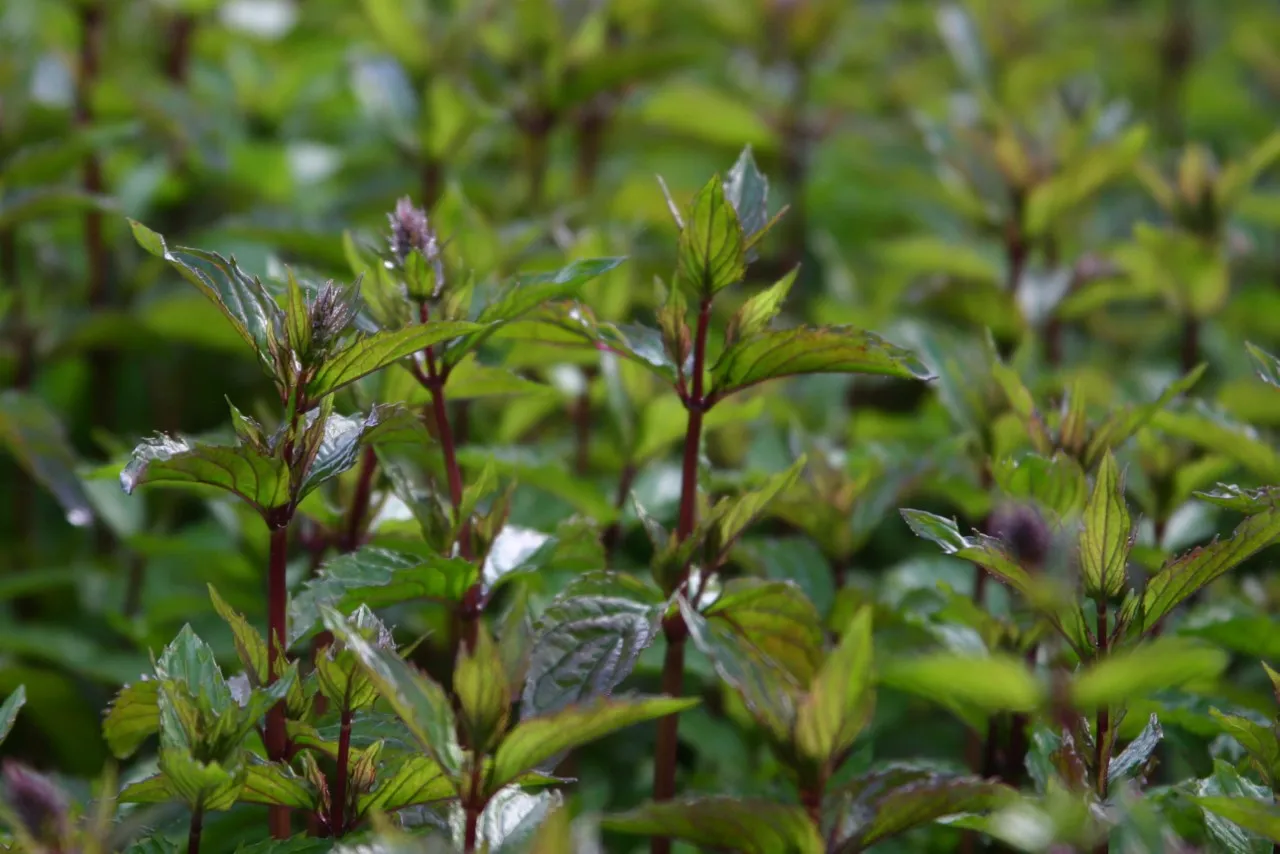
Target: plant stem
pixel 1102 756
pixel 474 809
pixel 614 531
pixel 360 501
pixel 277 602
pixel 177 61
pixel 339 803
pixel 582 431
pixel 674 628
pixel 1190 343
pixel 197 826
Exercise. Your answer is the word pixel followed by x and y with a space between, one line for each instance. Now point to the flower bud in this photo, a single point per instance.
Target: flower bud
pixel 36 802
pixel 1023 531
pixel 417 249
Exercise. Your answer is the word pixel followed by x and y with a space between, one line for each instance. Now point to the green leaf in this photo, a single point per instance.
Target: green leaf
pixel 1215 431
pixel 712 252
pixel 810 350
pixel 1241 500
pixel 422 704
pixel 1266 365
pixel 416 780
pixel 399 30
pixel 150 790
pixel 526 294
pixel 1107 534
pixel 132 717
pixel 1260 742
pixel 376 351
pixel 987 552
pixel 776 618
pixel 1138 751
pixel 250 646
pixel 996 683
pixel 1190 572
pixel 1075 185
pixel 259 480
pixel 1238 177
pixel 555 834
pixel 196 783
pixel 1121 425
pixel 480 684
pixel 732 516
pixel 1056 483
pixel 888 803
pixel 838 704
pixel 1253 815
pixel 40 202
pixel 253 312
pixel 275 783
pixel 1136 672
pixel 378 577
pixel 722 822
pixel 536 740
pixel 588 640
pixel 9 710
pixel 37 441
pixel 756 313
pixel 747 189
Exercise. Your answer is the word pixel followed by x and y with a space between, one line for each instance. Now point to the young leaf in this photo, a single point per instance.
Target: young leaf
pixel 132 717
pixel 776 619
pixel 986 552
pixel 417 780
pixel 712 249
pixel 747 189
pixel 484 697
pixel 9 710
pixel 1266 365
pixel 890 803
pixel 1056 483
pixel 755 314
pixel 369 354
pixel 1198 567
pixel 588 640
pixel 732 516
pixel 536 740
pixel 37 441
pixel 838 704
pixel 1134 673
pixel 1107 534
pixel 418 701
pixel 275 783
pixel 810 350
pixel 721 822
pixel 250 646
pixel 261 481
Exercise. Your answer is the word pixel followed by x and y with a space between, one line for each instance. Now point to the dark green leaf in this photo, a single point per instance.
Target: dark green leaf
pixel 1138 751
pixel 1198 567
pixel 37 441
pixel 1253 815
pixel 1266 365
pixel 1259 741
pixel 9 710
pixel 536 740
pixel 895 803
pixel 748 826
pixel 367 355
pixel 810 350
pixel 261 481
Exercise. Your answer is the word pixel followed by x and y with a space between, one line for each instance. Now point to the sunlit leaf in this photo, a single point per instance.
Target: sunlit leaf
pixel 1107 534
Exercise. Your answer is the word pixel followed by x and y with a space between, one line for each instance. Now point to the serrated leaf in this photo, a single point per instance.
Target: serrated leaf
pixel 839 701
pixel 1241 500
pixel 810 350
pixel 422 704
pixel 416 780
pixel 345 435
pixel 745 825
pixel 204 784
pixel 588 640
pixel 250 646
pixel 1190 572
pixel 480 684
pixel 378 577
pixel 261 481
pixel 777 619
pixel 1137 752
pixel 756 313
pixel 536 740
pixel 1260 742
pixel 1107 534
pixel 376 351
pixel 133 716
pixel 994 683
pixel 1136 672
pixel 987 552
pixel 526 294
pixel 275 783
pixel 898 802
pixel 9 710
pixel 747 189
pixel 36 439
pixel 712 252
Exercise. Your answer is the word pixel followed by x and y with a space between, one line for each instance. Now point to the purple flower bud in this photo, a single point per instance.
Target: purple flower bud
pixel 1022 529
pixel 36 801
pixel 411 232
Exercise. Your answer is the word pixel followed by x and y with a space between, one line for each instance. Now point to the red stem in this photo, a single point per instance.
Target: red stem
pixel 474 808
pixel 277 601
pixel 197 826
pixel 178 59
pixel 614 532
pixel 339 803
pixel 360 501
pixel 674 628
pixel 1102 756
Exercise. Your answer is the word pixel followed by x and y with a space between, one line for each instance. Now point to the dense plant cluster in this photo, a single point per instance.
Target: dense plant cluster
pixel 892 472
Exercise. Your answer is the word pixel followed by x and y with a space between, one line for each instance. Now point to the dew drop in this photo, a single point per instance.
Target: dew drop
pixel 79 516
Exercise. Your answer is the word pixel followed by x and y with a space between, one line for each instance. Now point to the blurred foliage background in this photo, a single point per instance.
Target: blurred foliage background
pixel 1086 179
